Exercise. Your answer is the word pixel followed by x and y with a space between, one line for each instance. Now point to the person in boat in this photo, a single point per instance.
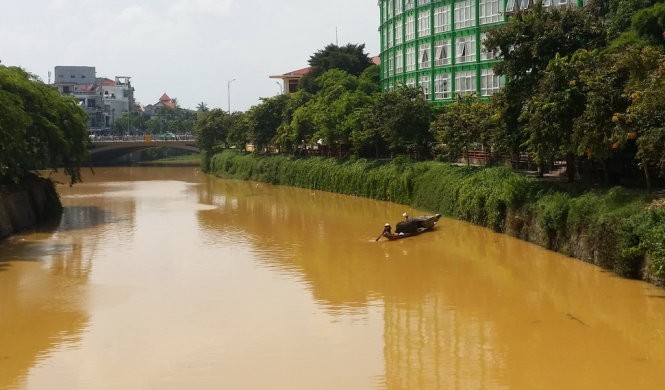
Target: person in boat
pixel 387 229
pixel 406 216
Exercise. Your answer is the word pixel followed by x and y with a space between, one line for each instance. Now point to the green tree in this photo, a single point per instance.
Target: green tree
pixel 265 118
pixel 39 127
pixel 550 112
pixel 350 58
pixel 525 46
pixel 645 116
pixel 396 121
pixel 211 129
pixel 289 133
pixel 603 81
pixel 650 24
pixel 239 128
pixel 620 14
pixel 202 107
pixel 463 126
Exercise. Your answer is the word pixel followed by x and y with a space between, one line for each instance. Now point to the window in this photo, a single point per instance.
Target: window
pixel 489 11
pixel 390 8
pixel 389 36
pixel 398 7
pixel 423 24
pixel 442 86
pixel 411 82
pixel 293 86
pixel 410 59
pixel 398 33
pixel 409 4
pixel 465 49
pixel 410 28
pixel 425 85
pixel 442 52
pixel 423 2
pixel 465 14
pixel 424 56
pixel 442 19
pixel 391 66
pixel 399 62
pixel 490 82
pixel 465 82
pixel 484 53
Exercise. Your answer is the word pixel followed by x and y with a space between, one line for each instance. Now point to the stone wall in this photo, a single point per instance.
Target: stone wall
pixel 27 204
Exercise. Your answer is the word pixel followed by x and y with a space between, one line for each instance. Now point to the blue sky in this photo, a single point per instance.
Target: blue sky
pixel 189 49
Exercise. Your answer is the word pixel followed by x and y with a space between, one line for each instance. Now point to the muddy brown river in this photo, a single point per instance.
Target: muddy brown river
pixel 166 278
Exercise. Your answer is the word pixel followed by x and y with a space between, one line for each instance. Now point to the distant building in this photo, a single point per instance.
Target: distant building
pixel 103 99
pixel 291 80
pixel 164 102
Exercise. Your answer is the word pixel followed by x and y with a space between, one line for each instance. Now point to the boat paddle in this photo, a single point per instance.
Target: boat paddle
pixel 377 239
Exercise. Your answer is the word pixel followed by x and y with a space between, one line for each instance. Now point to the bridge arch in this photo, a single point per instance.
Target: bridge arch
pixel 109 152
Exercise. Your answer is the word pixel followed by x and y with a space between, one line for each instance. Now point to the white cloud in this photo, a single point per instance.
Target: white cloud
pixel 210 7
pixel 132 13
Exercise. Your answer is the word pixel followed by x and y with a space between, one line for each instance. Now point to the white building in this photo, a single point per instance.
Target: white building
pixel 103 99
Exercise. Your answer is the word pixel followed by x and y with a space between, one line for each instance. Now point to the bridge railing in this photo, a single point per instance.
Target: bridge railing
pixel 141 138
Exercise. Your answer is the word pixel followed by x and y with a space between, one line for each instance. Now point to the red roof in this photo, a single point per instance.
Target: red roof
pixel 166 101
pixel 299 72
pixel 106 82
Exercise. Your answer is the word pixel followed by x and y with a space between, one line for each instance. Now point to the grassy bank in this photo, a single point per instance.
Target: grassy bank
pixel 193 159
pixel 616 229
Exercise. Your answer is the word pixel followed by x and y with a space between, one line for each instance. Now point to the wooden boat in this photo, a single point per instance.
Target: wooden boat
pixel 413 226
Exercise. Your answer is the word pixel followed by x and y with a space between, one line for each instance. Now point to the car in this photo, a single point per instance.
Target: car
pixel 168 136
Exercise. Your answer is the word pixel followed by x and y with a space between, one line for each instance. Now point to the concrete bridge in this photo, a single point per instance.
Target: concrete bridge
pixel 108 150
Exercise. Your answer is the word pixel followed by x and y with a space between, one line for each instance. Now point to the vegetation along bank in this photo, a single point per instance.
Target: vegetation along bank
pixel 32 201
pixel 616 229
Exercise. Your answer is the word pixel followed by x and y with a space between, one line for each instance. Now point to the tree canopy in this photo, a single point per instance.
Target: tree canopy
pixel 39 128
pixel 350 58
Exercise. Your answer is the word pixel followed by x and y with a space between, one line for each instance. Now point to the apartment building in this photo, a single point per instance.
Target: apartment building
pixel 437 44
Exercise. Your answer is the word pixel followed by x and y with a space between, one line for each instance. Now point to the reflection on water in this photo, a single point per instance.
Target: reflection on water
pixel 166 278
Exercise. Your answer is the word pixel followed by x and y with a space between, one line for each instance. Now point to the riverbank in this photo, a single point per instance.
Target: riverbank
pixel 186 160
pixel 616 229
pixel 27 204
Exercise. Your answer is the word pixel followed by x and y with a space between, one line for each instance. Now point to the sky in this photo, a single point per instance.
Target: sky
pixel 188 49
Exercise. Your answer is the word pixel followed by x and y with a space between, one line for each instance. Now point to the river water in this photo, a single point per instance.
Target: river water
pixel 166 278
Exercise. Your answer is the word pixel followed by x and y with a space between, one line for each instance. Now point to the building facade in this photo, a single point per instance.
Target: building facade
pixel 104 100
pixel 437 44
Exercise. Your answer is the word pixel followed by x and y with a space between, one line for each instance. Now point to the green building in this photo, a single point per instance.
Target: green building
pixel 437 44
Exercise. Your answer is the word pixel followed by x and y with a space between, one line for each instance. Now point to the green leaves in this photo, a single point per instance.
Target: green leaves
pixel 39 128
pixel 463 126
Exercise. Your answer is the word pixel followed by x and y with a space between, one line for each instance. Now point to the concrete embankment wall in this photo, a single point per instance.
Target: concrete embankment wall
pixel 27 204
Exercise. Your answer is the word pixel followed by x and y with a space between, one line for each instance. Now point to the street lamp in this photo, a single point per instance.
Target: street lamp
pixel 281 89
pixel 228 92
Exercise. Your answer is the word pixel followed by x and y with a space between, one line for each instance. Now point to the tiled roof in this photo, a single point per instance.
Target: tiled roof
pixel 299 72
